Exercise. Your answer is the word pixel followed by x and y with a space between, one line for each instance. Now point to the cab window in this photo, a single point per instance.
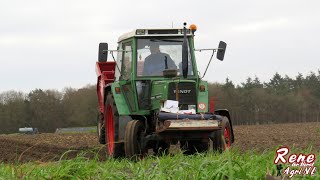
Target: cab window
pixel 126 61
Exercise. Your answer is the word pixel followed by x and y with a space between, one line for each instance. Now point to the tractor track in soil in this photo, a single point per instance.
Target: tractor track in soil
pixel 50 147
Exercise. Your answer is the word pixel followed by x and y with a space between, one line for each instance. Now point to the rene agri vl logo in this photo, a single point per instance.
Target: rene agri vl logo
pixel 299 164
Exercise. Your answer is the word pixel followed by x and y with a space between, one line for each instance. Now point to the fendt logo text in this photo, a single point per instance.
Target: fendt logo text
pixel 182 91
pixel 301 164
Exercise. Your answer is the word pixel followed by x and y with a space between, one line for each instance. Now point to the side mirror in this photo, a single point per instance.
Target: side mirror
pixel 221 50
pixel 103 54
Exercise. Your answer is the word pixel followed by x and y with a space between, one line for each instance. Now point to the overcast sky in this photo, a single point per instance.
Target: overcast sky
pixel 54 44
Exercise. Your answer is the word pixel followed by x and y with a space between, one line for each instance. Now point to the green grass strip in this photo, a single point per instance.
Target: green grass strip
pixel 232 164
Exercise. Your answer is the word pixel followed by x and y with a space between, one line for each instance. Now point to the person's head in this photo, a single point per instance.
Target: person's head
pixel 154 48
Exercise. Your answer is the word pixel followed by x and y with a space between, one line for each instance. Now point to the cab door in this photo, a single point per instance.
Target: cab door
pixel 125 78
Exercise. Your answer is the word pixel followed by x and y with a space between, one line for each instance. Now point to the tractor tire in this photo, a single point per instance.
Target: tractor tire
pixel 114 149
pixel 101 130
pixel 222 138
pixel 192 147
pixel 133 135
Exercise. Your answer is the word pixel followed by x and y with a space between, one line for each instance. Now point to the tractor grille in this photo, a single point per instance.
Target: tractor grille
pixel 187 94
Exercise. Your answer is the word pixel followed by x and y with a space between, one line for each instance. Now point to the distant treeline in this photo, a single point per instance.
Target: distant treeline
pixel 281 100
pixel 48 109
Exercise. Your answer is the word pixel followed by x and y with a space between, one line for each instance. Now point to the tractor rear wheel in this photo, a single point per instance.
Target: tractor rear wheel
pixel 222 138
pixel 111 124
pixel 133 136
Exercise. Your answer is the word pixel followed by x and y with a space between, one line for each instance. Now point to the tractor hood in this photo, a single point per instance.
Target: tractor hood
pixel 183 91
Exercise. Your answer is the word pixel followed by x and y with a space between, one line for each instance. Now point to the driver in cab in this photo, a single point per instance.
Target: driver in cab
pixel 157 62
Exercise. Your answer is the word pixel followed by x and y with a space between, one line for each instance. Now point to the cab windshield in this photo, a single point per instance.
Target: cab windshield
pixel 155 55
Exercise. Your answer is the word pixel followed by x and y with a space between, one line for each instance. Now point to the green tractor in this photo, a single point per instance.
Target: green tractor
pixel 152 96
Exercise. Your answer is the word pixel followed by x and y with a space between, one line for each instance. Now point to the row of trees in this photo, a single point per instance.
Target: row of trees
pixel 48 109
pixel 282 99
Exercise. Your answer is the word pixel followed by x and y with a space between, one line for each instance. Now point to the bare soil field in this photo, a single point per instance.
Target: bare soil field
pixel 50 147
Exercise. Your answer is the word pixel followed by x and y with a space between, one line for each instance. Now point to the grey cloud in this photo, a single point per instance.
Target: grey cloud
pixel 53 44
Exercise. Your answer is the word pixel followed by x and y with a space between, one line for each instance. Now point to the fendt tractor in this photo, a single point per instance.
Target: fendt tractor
pixel 152 96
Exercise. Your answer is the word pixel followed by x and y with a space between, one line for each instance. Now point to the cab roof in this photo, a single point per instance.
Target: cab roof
pixel 153 32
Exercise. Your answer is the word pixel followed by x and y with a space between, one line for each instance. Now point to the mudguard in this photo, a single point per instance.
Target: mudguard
pixel 119 99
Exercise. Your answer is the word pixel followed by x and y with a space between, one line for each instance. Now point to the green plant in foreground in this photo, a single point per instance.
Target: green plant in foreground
pixel 232 164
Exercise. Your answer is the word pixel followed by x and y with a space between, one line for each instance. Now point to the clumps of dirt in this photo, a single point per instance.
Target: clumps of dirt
pixel 48 147
pixel 268 137
pixel 52 147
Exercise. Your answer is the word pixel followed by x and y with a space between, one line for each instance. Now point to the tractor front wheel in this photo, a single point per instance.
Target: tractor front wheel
pixel 133 137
